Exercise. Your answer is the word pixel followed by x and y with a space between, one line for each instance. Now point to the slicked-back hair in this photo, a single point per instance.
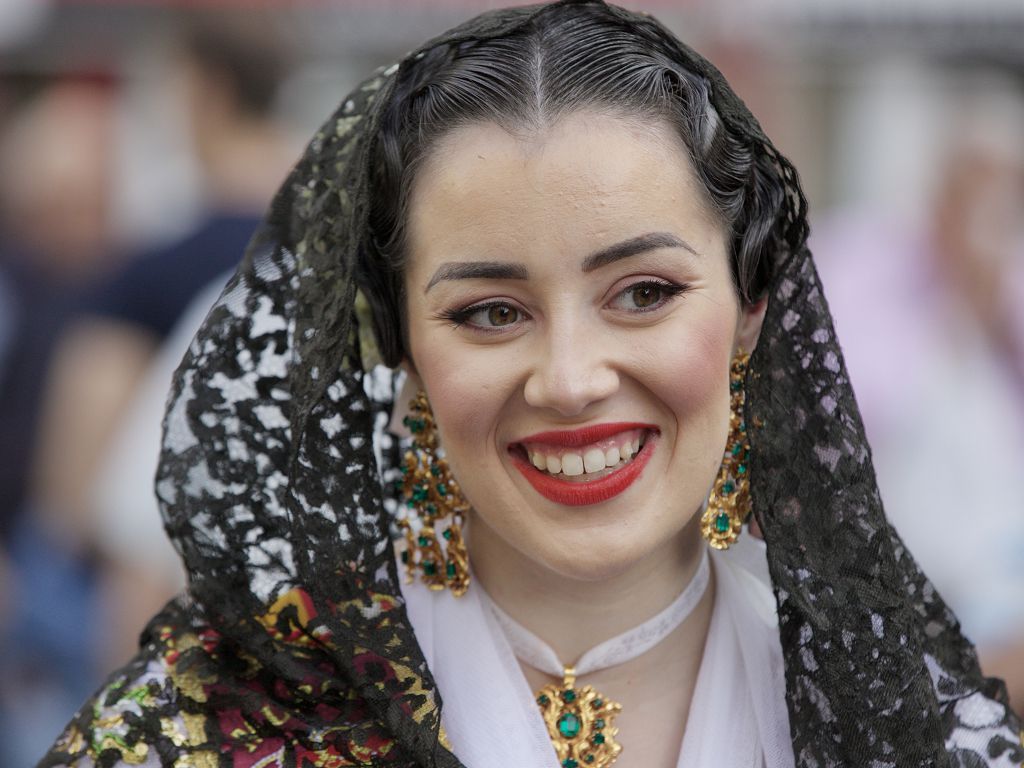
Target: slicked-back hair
pixel 567 59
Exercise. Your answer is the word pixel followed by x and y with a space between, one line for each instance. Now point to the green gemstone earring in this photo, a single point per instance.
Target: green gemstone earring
pixel 435 500
pixel 728 504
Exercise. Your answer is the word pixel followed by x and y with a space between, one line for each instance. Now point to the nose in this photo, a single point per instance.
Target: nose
pixel 573 368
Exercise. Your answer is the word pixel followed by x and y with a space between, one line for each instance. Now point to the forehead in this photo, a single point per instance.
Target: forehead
pixel 580 183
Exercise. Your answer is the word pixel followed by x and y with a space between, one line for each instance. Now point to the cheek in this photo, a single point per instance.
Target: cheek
pixel 467 387
pixel 690 376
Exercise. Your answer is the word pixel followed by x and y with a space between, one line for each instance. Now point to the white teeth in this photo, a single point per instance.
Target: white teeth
pixel 572 464
pixel 593 460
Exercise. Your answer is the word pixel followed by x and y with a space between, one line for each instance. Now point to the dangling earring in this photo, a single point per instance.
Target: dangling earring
pixel 433 496
pixel 729 501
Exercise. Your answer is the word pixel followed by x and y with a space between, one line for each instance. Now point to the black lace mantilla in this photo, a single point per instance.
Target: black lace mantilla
pixel 293 645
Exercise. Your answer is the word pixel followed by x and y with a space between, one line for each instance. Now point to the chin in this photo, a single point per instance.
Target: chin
pixel 594 572
pixel 599 557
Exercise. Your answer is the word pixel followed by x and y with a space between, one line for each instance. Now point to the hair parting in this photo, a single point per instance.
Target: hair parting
pixel 567 58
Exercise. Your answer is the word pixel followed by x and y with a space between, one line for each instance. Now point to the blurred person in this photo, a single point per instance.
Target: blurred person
pixel 933 328
pixel 56 170
pixel 228 78
pixel 56 162
pixel 228 84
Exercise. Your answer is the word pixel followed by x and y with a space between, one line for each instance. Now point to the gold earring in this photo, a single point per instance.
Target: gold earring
pixel 433 496
pixel 728 504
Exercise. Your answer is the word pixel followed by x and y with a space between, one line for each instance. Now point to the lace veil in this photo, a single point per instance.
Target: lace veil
pixel 275 486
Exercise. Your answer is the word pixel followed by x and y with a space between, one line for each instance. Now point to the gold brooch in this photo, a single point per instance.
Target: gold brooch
pixel 580 723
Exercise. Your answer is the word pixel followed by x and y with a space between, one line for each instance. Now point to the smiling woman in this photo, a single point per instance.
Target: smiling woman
pixel 591 310
pixel 583 267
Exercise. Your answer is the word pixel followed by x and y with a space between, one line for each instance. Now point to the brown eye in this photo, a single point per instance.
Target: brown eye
pixel 646 295
pixel 502 314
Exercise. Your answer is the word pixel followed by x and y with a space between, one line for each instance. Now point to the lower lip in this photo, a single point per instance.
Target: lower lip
pixel 580 494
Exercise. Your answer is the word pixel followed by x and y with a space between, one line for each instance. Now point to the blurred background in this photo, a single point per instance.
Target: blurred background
pixel 141 141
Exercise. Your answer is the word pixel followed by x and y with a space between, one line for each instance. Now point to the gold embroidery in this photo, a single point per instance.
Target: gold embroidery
pixel 197 760
pixel 170 729
pixel 72 741
pixel 195 726
pixel 109 735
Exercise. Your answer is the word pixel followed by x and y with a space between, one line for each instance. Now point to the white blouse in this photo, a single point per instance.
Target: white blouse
pixel 491 717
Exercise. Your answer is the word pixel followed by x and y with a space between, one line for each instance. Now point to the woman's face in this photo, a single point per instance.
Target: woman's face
pixel 570 306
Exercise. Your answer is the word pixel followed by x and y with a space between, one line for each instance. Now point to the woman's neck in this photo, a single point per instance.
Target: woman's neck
pixel 572 615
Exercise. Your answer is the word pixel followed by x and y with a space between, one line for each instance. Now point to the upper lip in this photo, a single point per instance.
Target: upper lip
pixel 575 438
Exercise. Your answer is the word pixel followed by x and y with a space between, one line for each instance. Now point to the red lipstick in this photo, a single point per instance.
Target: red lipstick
pixel 581 493
pixel 574 438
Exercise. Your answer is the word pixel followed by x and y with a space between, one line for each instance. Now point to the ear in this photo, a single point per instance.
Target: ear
pixel 748 329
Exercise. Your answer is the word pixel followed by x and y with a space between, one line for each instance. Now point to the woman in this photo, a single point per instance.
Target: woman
pixel 569 233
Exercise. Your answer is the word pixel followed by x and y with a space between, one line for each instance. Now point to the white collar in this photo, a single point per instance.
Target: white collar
pixel 620 649
pixel 492 719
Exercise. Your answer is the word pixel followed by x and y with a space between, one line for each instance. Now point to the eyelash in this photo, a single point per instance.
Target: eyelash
pixel 460 317
pixel 668 290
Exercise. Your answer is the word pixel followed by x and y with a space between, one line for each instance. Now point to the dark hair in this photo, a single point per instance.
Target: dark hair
pixel 569 57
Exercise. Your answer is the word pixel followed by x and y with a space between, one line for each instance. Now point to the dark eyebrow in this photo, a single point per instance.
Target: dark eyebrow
pixel 633 247
pixel 503 270
pixel 468 270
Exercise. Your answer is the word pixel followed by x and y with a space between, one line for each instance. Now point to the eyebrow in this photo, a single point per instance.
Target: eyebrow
pixel 633 247
pixel 503 270
pixel 468 270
